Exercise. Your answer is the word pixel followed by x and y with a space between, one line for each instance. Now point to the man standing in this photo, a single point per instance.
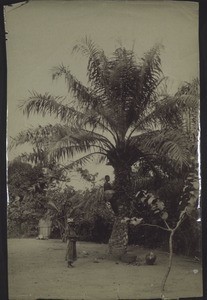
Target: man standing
pixel 71 236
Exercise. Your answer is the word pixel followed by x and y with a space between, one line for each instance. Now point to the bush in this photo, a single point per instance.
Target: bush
pixel 13 230
pixel 187 239
pixel 148 237
pixel 19 230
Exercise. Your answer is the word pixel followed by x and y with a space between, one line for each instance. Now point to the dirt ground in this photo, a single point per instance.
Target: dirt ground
pixel 37 270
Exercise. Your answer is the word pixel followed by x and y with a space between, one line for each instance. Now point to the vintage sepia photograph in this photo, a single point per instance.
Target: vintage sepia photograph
pixel 103 138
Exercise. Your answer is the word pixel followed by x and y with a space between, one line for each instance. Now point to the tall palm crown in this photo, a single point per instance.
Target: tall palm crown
pixel 120 116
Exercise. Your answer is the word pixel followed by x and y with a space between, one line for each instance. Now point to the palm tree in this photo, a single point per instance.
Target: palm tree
pixel 119 117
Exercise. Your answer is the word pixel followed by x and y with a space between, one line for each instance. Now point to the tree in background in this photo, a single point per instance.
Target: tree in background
pixel 26 186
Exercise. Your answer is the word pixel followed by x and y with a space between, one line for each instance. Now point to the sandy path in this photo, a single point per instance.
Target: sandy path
pixel 37 270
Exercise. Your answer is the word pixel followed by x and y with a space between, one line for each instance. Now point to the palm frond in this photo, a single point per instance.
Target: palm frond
pixel 119 86
pixel 53 205
pixel 61 142
pixel 84 95
pixel 35 136
pixel 108 121
pixel 170 110
pixel 68 141
pixel 150 76
pixel 165 113
pixel 86 46
pixel 97 68
pixel 72 136
pixel 168 144
pixel 51 105
pixel 90 157
pixel 42 135
pixel 35 157
pixel 48 104
pixel 123 86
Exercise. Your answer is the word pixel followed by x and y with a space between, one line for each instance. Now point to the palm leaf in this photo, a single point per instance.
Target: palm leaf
pixel 48 104
pixel 168 144
pixel 150 76
pixel 84 95
pixel 53 205
pixel 34 157
pixel 120 79
pixel 35 136
pixel 169 111
pixel 97 68
pixel 90 157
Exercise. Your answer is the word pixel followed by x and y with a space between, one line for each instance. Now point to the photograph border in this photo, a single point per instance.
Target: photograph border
pixel 4 293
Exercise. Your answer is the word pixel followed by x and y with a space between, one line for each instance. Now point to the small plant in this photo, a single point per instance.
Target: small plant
pixel 154 211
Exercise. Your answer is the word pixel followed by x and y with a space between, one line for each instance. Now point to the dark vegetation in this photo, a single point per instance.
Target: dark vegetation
pixel 33 195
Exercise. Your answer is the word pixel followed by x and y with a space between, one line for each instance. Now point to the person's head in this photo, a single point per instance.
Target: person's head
pixel 107 178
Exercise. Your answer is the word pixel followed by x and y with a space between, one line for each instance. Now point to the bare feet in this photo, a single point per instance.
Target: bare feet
pixel 70 265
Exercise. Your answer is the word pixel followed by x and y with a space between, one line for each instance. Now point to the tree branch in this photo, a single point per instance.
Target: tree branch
pixel 157 226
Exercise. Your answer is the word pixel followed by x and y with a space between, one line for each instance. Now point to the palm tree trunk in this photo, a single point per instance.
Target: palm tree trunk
pixel 119 239
pixel 123 186
pixel 121 200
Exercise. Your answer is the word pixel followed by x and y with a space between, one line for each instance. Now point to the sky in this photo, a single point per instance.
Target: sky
pixel 41 35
